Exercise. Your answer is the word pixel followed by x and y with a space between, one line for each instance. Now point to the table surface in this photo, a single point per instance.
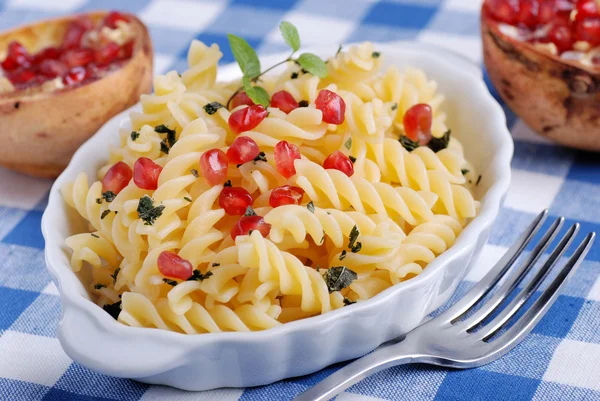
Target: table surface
pixel 559 360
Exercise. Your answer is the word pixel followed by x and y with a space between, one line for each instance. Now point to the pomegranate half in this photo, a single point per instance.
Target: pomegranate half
pixel 557 97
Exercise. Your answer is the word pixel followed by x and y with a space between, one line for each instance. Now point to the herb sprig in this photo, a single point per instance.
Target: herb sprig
pixel 249 63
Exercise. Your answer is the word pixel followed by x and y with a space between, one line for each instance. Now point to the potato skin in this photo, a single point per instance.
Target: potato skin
pixel 41 131
pixel 557 99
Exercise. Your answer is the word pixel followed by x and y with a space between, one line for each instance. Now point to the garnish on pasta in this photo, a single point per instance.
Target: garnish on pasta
pixel 236 212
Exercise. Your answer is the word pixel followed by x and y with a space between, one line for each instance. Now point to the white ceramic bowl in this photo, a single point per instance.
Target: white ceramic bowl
pixel 198 362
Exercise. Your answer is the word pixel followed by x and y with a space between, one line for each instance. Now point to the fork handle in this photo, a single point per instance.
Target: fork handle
pixel 380 359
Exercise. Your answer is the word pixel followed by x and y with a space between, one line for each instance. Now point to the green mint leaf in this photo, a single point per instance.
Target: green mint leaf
pixel 245 56
pixel 147 212
pixel 339 277
pixel 256 93
pixel 313 64
pixel 290 35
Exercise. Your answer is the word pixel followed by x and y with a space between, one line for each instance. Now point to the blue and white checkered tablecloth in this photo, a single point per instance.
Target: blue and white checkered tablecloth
pixel 560 360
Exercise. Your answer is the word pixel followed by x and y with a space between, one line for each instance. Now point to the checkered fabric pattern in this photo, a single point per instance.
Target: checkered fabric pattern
pixel 559 360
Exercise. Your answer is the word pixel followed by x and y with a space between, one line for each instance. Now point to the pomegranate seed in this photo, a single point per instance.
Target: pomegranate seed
pixel 75 76
pixel 587 8
pixel 77 57
pixel 240 99
pixel 146 173
pixel 332 105
pixel 562 37
pixel 53 68
pixel 75 31
pixel 250 223
pixel 213 165
pixel 16 56
pixel 127 50
pixel 339 161
pixel 20 76
pixel 284 101
pixel 285 154
pixel 107 54
pixel 528 13
pixel 242 150
pixel 417 123
pixel 117 177
pixel 49 53
pixel 172 265
pixel 588 30
pixel 286 195
pixel 546 12
pixel 235 200
pixel 504 10
pixel 247 118
pixel 112 17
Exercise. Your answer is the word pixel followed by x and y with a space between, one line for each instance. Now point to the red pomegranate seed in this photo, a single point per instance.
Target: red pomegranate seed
pixel 417 123
pixel 172 265
pixel 286 195
pixel 242 150
pixel 112 17
pixel 53 68
pixel 285 154
pixel 587 8
pixel 562 37
pixel 235 200
pixel 547 11
pixel 284 101
pixel 127 50
pixel 245 119
pixel 504 10
pixel 75 31
pixel 117 177
pixel 107 54
pixel 339 161
pixel 20 76
pixel 240 99
pixel 332 105
pixel 250 223
pixel 49 53
pixel 77 57
pixel 16 56
pixel 146 173
pixel 528 13
pixel 588 30
pixel 75 76
pixel 213 165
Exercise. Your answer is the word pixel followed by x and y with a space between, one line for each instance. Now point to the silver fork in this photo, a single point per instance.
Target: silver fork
pixel 460 338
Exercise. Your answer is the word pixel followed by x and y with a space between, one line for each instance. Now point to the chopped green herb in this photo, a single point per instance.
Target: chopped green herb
pixel 104 214
pixel 260 158
pixel 348 302
pixel 478 180
pixel 294 75
pixel 163 129
pixel 115 274
pixel 339 50
pixel 437 144
pixel 352 159
pixel 94 235
pixel 164 148
pixel 322 238
pixel 318 268
pixel 227 183
pixel 134 135
pixel 187 198
pixel 211 108
pixel 179 74
pixel 395 106
pixel 216 265
pixel 109 196
pixel 408 143
pixel 464 171
pixel 357 247
pixel 169 141
pixel 310 206
pixel 147 211
pixel 170 282
pixel 339 277
pixel 343 255
pixel 250 211
pixel 303 103
pixel 113 309
pixel 198 276
pixel 348 143
pixel 194 172
pixel 354 233
pixel 99 201
pixel 250 232
pixel 375 54
pixel 98 286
